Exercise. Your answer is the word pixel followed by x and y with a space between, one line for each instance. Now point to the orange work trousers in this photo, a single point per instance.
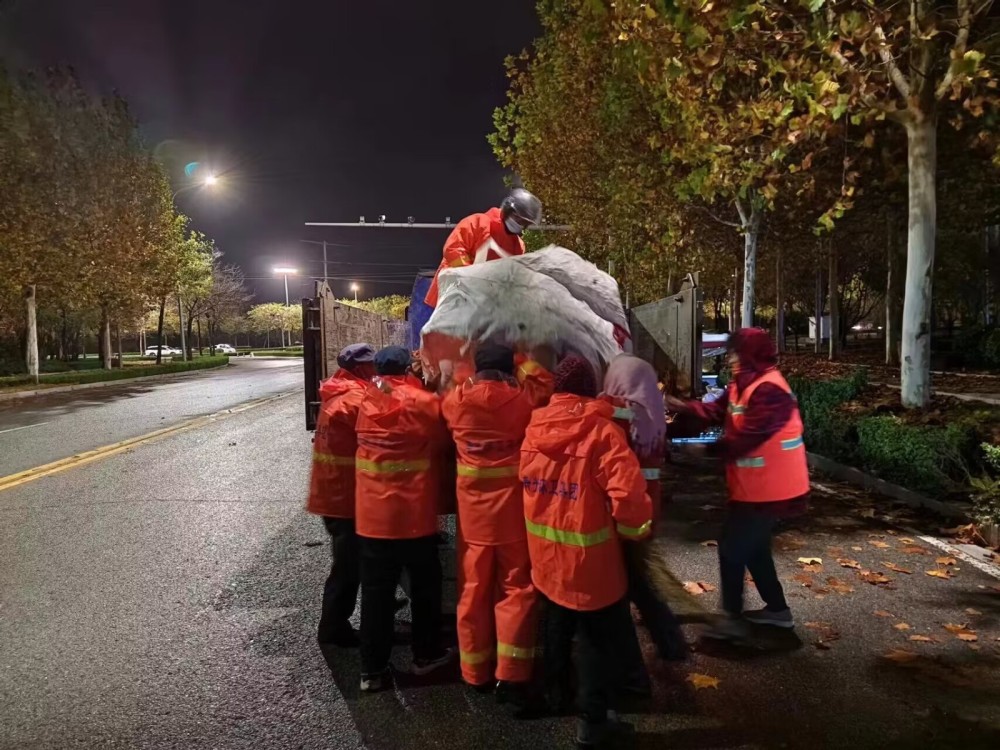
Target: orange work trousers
pixel 497 612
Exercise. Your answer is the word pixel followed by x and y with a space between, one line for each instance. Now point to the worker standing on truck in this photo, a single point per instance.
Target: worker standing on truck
pixel 331 487
pixel 583 491
pixel 767 476
pixel 488 236
pixel 497 612
pixel 402 441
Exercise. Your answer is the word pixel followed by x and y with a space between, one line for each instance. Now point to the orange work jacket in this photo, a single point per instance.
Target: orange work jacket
pixel 583 489
pixel 652 464
pixel 401 443
pixel 331 484
pixel 475 239
pixel 777 470
pixel 487 419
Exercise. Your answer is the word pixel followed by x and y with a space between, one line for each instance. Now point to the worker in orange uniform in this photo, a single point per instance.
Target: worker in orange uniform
pixel 331 487
pixel 497 613
pixel 483 237
pixel 583 492
pixel 401 443
pixel 767 475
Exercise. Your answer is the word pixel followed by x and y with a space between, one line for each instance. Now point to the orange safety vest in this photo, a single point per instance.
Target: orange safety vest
pixel 777 470
pixel 401 443
pixel 651 464
pixel 487 419
pixel 331 484
pixel 475 239
pixel 583 489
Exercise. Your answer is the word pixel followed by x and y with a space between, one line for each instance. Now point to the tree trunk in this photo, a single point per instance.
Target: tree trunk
pixel 892 306
pixel 818 312
pixel 834 293
pixel 159 331
pixel 750 219
pixel 105 339
pixel 779 316
pixel 734 301
pixel 201 350
pixel 180 325
pixel 916 345
pixel 121 354
pixel 31 345
pixel 189 350
pixel 267 343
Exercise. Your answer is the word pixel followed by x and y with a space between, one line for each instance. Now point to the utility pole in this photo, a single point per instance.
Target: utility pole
pixel 326 275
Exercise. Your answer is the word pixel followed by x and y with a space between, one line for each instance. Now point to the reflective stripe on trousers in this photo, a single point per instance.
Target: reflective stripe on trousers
pixel 328 458
pixel 393 467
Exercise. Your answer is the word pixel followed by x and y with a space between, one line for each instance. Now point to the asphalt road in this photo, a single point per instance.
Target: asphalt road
pixel 48 427
pixel 181 614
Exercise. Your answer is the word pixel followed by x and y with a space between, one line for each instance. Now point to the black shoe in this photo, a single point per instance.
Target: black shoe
pixel 517 697
pixel 376 682
pixel 426 666
pixel 484 689
pixel 346 637
pixel 673 647
pixel 609 733
pixel 637 684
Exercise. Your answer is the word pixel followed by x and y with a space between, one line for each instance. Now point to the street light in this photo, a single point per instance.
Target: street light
pixel 354 288
pixel 285 271
pixel 210 181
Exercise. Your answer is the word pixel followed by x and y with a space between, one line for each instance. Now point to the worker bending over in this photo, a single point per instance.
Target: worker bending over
pixel 488 236
pixel 497 616
pixel 766 473
pixel 583 491
pixel 331 487
pixel 401 443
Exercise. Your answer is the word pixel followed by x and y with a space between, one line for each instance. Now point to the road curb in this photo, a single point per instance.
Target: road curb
pixel 103 384
pixel 977 398
pixel 868 482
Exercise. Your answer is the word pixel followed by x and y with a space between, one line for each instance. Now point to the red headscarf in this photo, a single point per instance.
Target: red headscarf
pixel 756 353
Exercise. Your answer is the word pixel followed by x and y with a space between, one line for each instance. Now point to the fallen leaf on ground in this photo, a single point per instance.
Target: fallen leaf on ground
pixel 803 578
pixel 901 626
pixel 915 549
pixel 835 551
pixel 846 563
pixel 839 586
pixel 905 540
pixel 710 543
pixel 901 656
pixel 972 611
pixel 896 568
pixel 873 577
pixel 858 549
pixel 946 561
pixel 879 544
pixel 967 636
pixel 921 638
pixel 943 573
pixel 817 568
pixel 867 513
pixel 811 560
pixel 697 588
pixel 883 613
pixel 953 628
pixel 892 532
pixel 702 681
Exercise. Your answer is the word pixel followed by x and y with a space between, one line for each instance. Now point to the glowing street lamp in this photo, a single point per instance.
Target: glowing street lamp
pixel 285 271
pixel 210 180
pixel 354 288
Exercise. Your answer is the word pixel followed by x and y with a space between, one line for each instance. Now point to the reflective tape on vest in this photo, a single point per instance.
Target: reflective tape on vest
pixel 791 444
pixel 487 472
pixel 475 657
pixel 515 652
pixel 393 467
pixel 756 462
pixel 634 531
pixel 623 413
pixel 329 458
pixel 651 474
pixel 736 409
pixel 572 538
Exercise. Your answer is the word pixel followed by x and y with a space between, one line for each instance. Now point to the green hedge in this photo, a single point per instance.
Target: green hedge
pixel 828 430
pixel 100 376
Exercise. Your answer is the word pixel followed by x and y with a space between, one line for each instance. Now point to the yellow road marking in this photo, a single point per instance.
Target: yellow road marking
pixel 87 457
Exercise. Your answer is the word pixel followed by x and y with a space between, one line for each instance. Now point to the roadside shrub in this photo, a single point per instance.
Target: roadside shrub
pixel 828 431
pixel 922 458
pixel 100 376
pixel 990 349
pixel 986 489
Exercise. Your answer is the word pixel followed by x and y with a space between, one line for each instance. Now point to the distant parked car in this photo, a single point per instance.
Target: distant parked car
pixel 224 349
pixel 166 351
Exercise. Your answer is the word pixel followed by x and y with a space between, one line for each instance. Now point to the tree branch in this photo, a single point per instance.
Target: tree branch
pixel 732 224
pixel 895 74
pixel 958 49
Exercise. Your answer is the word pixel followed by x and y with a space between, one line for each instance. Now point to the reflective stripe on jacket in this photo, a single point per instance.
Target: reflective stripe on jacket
pixel 777 470
pixel 401 443
pixel 651 464
pixel 583 489
pixel 331 484
pixel 475 239
pixel 487 419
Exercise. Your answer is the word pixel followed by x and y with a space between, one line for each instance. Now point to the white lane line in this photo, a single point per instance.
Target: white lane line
pixel 23 427
pixel 981 565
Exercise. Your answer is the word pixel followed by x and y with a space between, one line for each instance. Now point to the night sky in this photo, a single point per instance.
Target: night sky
pixel 310 111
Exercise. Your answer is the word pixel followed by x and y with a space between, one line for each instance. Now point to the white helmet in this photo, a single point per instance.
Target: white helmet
pixel 523 206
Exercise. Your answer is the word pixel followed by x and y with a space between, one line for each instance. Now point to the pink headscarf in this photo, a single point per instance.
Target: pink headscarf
pixel 634 381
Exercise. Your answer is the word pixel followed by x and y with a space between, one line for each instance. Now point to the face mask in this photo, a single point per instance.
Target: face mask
pixel 512 226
